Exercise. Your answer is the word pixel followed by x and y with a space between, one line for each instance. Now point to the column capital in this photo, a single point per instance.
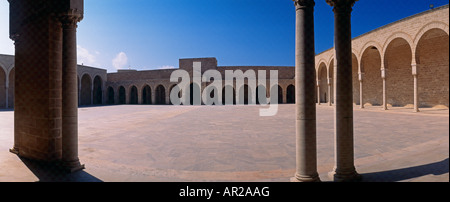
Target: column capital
pixel 341 5
pixel 70 20
pixel 299 4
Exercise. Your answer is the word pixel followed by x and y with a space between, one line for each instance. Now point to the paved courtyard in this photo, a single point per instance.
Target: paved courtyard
pixel 233 143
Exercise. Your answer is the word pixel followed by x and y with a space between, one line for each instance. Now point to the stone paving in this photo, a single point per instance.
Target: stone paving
pixel 233 143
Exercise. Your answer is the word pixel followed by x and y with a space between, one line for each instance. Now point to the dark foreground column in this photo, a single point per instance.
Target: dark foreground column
pixel 306 147
pixel 344 153
pixel 70 94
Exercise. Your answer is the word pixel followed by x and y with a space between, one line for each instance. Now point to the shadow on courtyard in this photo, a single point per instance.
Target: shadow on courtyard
pixel 437 168
pixel 50 172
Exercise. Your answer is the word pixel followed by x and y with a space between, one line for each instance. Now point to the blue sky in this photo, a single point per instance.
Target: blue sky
pixel 154 34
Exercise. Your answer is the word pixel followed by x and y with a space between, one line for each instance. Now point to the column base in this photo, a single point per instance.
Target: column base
pixel 345 177
pixel 14 151
pixel 298 178
pixel 72 166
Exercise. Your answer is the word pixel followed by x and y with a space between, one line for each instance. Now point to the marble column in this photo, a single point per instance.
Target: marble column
pixel 306 146
pixel 383 76
pixel 344 169
pixel 70 94
pixel 414 67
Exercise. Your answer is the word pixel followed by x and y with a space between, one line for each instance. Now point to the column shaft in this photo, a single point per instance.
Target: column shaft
pixel 361 100
pixel 70 97
pixel 344 152
pixel 306 146
pixel 416 87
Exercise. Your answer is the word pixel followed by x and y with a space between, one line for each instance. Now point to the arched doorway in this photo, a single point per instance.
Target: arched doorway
pixel 280 95
pixel 111 99
pixel 86 90
pixel 122 95
pixel 432 54
pixel 146 95
pixel 323 83
pixel 160 95
pixel 98 91
pixel 399 82
pixel 133 95
pixel 372 82
pixel 290 94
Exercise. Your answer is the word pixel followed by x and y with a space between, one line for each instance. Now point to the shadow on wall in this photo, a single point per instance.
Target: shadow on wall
pixel 437 168
pixel 50 172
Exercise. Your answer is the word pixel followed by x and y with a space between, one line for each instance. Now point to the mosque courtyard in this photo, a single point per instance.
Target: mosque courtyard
pixel 130 143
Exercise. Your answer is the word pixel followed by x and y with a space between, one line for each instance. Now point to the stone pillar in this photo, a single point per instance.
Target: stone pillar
pixel 329 92
pixel 383 76
pixel 70 94
pixel 153 96
pixel 318 92
pixel 306 146
pixel 344 152
pixel 92 94
pixel 414 67
pixel 7 94
pixel 361 100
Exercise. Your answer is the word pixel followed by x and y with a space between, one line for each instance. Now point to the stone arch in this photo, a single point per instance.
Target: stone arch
pixel 372 83
pixel 370 44
pixel 98 90
pixel 160 93
pixel 111 97
pixel 290 94
pixel 3 87
pixel 146 95
pixel 319 63
pixel 432 25
pixel 322 76
pixel 397 62
pixel 122 95
pixel 398 35
pixel 133 95
pixel 86 90
pixel 432 57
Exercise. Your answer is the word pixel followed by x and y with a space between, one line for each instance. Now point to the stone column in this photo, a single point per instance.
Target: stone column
pixel 92 94
pixel 383 76
pixel 306 146
pixel 344 152
pixel 329 92
pixel 416 86
pixel 318 92
pixel 7 94
pixel 361 100
pixel 70 94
